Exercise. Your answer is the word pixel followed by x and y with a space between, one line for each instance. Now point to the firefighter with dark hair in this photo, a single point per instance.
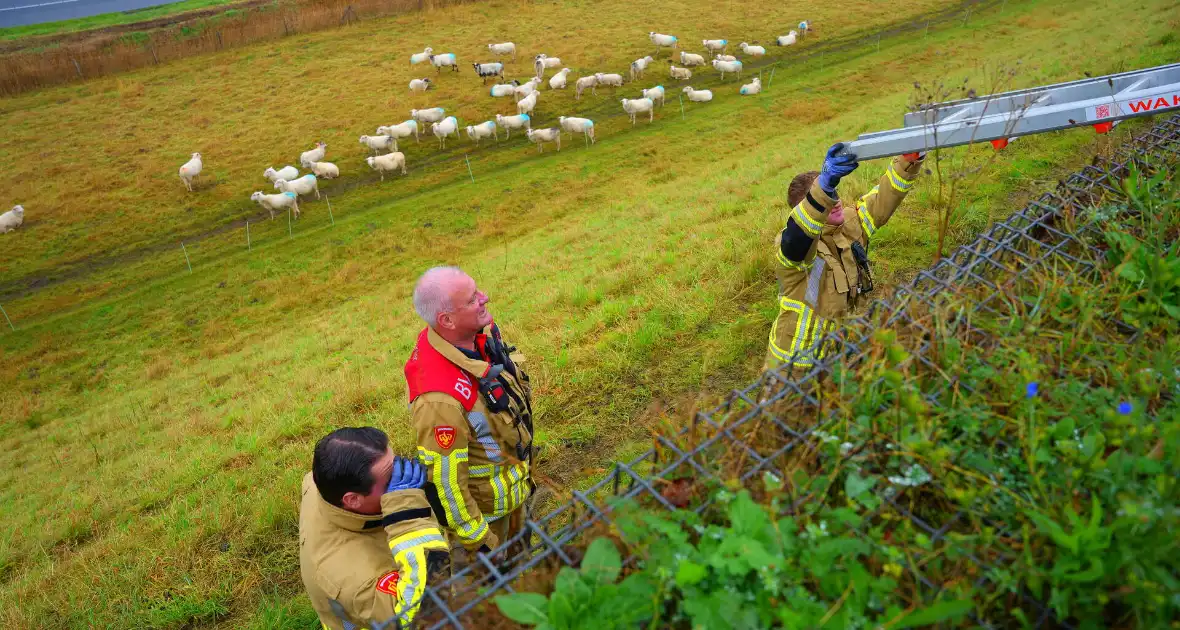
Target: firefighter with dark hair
pixel 823 263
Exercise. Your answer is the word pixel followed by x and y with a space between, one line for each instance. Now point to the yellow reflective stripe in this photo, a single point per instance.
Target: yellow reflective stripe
pixel 445 475
pixel 899 183
pixel 790 264
pixel 409 554
pixel 809 225
pixel 795 356
pixel 866 219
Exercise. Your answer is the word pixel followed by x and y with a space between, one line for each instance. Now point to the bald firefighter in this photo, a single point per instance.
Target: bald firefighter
pixel 471 409
pixel 823 263
pixel 368 542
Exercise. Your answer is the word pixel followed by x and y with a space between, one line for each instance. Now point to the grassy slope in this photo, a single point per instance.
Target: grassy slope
pixel 106 19
pixel 166 427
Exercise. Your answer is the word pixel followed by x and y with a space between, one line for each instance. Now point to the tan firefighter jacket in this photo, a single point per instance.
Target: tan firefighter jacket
pixel 818 277
pixel 368 571
pixel 478 459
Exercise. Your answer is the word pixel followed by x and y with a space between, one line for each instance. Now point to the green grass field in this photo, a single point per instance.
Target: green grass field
pixel 105 20
pixel 156 423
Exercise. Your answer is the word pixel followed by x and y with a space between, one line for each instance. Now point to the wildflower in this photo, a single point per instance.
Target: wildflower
pixel 1031 390
pixel 1125 408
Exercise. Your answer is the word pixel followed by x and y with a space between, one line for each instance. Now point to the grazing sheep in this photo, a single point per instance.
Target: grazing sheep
pixel 786 40
pixel 402 130
pixel 12 219
pixel 422 56
pixel 527 104
pixel 582 84
pixel 635 106
pixel 804 27
pixel 584 126
pixel 387 163
pixel 419 85
pixel 662 41
pixel 519 121
pixel 288 173
pixel 505 89
pixel 543 61
pixel 190 170
pixel 314 155
pixel 612 80
pixel 277 202
pixel 448 127
pixel 715 45
pixel 541 136
pixel 689 60
pixel 303 186
pixel 558 81
pixel 378 144
pixel 753 51
pixel 727 66
pixel 526 88
pixel 725 58
pixel 655 94
pixel 639 65
pixel 698 96
pixel 485 70
pixel 445 60
pixel 507 48
pixel 431 115
pixel 682 74
pixel 482 130
pixel 751 88
pixel 326 170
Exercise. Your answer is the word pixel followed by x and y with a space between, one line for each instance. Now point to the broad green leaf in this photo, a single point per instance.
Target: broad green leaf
pixel 602 562
pixel 942 611
pixel 526 608
pixel 1050 527
pixel 690 573
pixel 855 485
pixel 561 611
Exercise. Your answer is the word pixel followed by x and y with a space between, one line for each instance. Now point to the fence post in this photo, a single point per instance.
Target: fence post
pixel 76 66
pixel 186 260
pixel 155 58
pixel 6 317
pixel 289 232
pixel 219 42
pixel 681 107
pixel 330 217
pixel 771 78
pixel 469 173
pixel 927 32
pixel 967 17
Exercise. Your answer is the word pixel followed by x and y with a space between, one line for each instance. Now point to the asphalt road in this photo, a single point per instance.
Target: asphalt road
pixel 21 12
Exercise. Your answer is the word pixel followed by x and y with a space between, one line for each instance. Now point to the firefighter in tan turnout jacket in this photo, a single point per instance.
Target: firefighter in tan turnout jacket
pixel 822 253
pixel 471 408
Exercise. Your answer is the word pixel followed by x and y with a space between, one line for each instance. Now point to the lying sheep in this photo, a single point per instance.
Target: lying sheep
pixel 698 96
pixel 445 60
pixel 387 163
pixel 584 83
pixel 485 70
pixel 753 51
pixel 314 155
pixel 542 62
pixel 558 81
pixel 482 130
pixel 612 80
pixel 689 60
pixel 448 127
pixel 402 130
pixel 505 89
pixel 190 170
pixel 655 94
pixel 727 66
pixel 680 73
pixel 786 40
pixel 715 45
pixel 584 126
pixel 422 56
pixel 730 58
pixel 751 88
pixel 526 88
pixel 277 202
pixel 431 115
pixel 507 48
pixel 635 106
pixel 303 186
pixel 378 144
pixel 639 65
pixel 419 85
pixel 541 136
pixel 519 121
pixel 288 173
pixel 12 219
pixel 326 170
pixel 662 41
pixel 527 104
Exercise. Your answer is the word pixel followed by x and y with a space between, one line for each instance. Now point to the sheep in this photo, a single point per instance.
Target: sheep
pixel 448 127
pixel 558 81
pixel 419 85
pixel 519 121
pixel 613 80
pixel 715 45
pixel 527 104
pixel 314 155
pixel 541 136
pixel 543 61
pixel 302 186
pixel 727 66
pixel 753 51
pixel 635 106
pixel 482 130
pixel 751 88
pixel 698 96
pixel 682 74
pixel 485 70
pixel 724 58
pixel 445 60
pixel 504 89
pixel 12 219
pixel 583 83
pixel 388 162
pixel 584 126
pixel 689 60
pixel 639 65
pixel 422 56
pixel 786 40
pixel 655 94
pixel 377 144
pixel 288 173
pixel 277 202
pixel 662 41
pixel 526 88
pixel 431 115
pixel 190 170
pixel 326 170
pixel 804 27
pixel 507 48
pixel 402 130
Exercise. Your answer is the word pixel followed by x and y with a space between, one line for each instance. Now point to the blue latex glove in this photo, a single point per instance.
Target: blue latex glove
pixel 408 474
pixel 835 167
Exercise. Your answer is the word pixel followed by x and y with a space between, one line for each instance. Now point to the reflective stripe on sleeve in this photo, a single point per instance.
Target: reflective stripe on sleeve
pixel 899 183
pixel 445 475
pixel 809 225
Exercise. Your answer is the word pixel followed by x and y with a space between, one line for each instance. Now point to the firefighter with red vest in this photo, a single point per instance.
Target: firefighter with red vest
pixel 471 407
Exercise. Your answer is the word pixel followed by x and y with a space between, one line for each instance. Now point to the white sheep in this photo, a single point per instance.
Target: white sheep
pixel 584 83
pixel 445 60
pixel 727 66
pixel 401 130
pixel 558 81
pixel 584 126
pixel 448 127
pixel 655 94
pixel 482 130
pixel 804 27
pixel 12 219
pixel 277 202
pixel 504 89
pixel 288 173
pixel 419 85
pixel 190 170
pixel 314 155
pixel 541 136
pixel 635 106
pixel 527 104
pixel 715 45
pixel 519 121
pixel 507 48
pixel 786 40
pixel 387 163
pixel 753 51
pixel 639 65
pixel 751 88
pixel 613 80
pixel 542 62
pixel 689 60
pixel 682 74
pixel 303 186
pixel 698 96
pixel 662 41
pixel 326 170
pixel 422 56
pixel 526 88
pixel 431 115
pixel 485 70
pixel 729 58
pixel 378 144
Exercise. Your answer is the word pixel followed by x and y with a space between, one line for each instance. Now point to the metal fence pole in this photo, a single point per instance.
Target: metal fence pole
pixel 6 317
pixel 186 260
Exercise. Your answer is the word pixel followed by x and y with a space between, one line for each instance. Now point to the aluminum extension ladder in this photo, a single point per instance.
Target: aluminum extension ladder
pixel 1101 102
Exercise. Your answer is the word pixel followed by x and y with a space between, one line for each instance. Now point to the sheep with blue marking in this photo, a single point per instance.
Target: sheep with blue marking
pixel 449 126
pixel 732 67
pixel 715 45
pixel 753 51
pixel 445 60
pixel 432 115
pixel 584 126
pixel 401 130
pixel 504 89
pixel 303 186
pixel 485 70
pixel 662 41
pixel 277 202
pixel 751 88
pixel 486 129
pixel 655 94
pixel 508 123
pixel 422 56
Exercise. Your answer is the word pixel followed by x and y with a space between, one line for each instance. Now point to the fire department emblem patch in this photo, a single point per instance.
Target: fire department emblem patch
pixel 445 436
pixel 388 583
